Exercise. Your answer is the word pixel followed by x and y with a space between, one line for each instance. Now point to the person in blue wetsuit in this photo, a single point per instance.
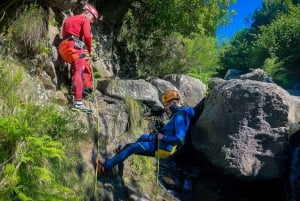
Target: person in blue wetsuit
pixel 170 136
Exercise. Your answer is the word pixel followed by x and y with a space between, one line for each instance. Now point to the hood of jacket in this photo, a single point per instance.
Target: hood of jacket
pixel 186 109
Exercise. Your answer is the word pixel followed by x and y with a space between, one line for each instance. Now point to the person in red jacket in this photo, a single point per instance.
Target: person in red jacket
pixel 76 33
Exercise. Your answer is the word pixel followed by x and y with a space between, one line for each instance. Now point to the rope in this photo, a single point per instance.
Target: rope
pixel 98 140
pixel 93 97
pixel 98 149
pixel 157 172
pixel 157 128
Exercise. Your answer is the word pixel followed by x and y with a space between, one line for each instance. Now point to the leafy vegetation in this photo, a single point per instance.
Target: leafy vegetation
pixel 281 40
pixel 272 43
pixel 157 37
pixel 164 37
pixel 26 37
pixel 32 148
pixel 28 31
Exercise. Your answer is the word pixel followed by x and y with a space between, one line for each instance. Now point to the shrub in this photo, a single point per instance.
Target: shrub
pixel 28 31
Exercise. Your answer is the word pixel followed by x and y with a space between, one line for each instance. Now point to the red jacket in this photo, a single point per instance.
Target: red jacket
pixel 79 26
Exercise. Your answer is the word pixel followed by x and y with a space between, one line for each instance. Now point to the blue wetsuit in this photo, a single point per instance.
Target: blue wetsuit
pixel 174 134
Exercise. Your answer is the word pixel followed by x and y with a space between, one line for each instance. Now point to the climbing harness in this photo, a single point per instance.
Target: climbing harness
pixel 69 54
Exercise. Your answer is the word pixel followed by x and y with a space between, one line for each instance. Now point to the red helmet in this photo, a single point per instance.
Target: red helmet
pixel 92 10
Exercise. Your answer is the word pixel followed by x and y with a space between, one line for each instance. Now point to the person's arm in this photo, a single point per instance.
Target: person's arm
pixel 180 130
pixel 87 35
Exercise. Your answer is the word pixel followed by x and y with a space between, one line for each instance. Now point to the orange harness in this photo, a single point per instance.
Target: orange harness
pixel 68 54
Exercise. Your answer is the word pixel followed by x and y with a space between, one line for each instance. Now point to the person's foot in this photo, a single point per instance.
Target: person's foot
pixel 99 166
pixel 81 107
pixel 118 149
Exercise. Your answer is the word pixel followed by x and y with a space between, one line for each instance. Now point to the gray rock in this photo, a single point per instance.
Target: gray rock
pixel 244 129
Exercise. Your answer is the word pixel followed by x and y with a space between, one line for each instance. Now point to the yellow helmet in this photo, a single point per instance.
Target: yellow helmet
pixel 169 95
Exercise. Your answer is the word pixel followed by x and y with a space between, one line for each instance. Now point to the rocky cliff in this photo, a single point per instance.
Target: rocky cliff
pixel 241 142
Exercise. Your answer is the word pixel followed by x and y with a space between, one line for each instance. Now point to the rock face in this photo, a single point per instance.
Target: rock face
pixel 244 129
pixel 294 114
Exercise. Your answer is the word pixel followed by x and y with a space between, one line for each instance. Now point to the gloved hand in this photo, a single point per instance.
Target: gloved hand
pixel 160 136
pixel 153 135
pixel 87 54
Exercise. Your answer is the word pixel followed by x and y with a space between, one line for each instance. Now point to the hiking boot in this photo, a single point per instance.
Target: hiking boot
pixel 81 107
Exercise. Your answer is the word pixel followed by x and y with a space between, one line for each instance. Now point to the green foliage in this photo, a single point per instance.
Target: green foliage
pixel 27 37
pixel 275 69
pixel 281 39
pixel 9 83
pixel 270 10
pixel 136 120
pixel 196 56
pixel 273 39
pixel 143 168
pixel 153 33
pixel 238 54
pixel 201 57
pixel 197 16
pixel 29 146
pixel 167 58
pixel 28 32
pixel 43 49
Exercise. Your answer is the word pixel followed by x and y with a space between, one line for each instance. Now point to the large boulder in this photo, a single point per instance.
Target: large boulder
pixel 192 90
pixel 136 89
pixel 244 129
pixel 294 114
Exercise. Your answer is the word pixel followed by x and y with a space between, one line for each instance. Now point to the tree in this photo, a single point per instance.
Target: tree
pixel 272 42
pixel 269 11
pixel 152 28
pixel 239 53
pixel 281 39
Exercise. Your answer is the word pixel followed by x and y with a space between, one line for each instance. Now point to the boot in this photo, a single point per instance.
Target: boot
pixel 78 106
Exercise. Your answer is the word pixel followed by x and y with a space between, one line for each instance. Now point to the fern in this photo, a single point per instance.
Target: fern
pixel 32 160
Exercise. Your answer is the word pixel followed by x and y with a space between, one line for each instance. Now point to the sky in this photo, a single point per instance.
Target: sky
pixel 243 9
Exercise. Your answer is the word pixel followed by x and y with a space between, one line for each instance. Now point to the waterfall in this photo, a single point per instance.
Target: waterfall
pixel 294 174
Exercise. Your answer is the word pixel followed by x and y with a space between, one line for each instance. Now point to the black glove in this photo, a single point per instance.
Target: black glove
pixel 153 135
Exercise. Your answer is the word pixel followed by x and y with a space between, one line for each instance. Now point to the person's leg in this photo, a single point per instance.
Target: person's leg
pixel 78 66
pixel 134 148
pixel 142 138
pixel 121 147
pixel 77 81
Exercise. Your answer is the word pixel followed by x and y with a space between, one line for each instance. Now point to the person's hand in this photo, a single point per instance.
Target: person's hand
pixel 87 54
pixel 160 136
